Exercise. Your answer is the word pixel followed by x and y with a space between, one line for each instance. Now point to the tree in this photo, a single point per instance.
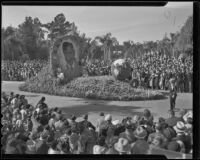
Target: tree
pixel 128 48
pixel 107 42
pixel 184 40
pixel 59 27
pixel 11 43
pixel 32 36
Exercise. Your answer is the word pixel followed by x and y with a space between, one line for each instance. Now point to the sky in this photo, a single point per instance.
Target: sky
pixel 138 24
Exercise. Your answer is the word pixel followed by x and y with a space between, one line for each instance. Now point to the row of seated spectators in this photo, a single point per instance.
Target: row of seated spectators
pixel 41 129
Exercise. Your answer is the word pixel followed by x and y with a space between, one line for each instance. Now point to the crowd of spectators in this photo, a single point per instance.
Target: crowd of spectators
pixel 148 71
pixel 41 129
pixel 97 68
pixel 155 71
pixel 19 70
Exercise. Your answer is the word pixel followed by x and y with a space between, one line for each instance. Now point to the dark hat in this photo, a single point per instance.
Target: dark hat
pixel 73 117
pixel 101 114
pixel 174 146
pixel 85 116
pixel 147 113
pixel 139 147
pixel 169 133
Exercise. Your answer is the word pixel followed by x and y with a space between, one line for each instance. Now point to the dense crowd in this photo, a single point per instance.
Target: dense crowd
pixel 20 71
pixel 149 71
pixel 41 129
pixel 97 68
pixel 155 71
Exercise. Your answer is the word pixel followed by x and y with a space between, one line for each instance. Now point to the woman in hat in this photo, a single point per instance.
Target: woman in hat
pixel 122 146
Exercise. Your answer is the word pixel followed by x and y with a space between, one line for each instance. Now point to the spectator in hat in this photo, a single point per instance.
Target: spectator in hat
pixel 157 138
pixel 15 101
pixel 31 148
pixel 122 146
pixel 189 124
pixel 140 147
pixel 52 121
pixel 174 146
pixel 29 124
pixel 100 121
pixel 103 128
pixel 172 120
pixel 73 122
pixel 180 127
pixel 172 94
pixel 140 133
pixel 100 147
pixel 147 118
pixel 41 144
pixel 10 97
pixel 53 148
pixel 23 112
pixel 64 148
pixel 86 123
pixel 73 140
pixel 128 134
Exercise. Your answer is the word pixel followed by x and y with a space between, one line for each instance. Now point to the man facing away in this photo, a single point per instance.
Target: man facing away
pixel 172 94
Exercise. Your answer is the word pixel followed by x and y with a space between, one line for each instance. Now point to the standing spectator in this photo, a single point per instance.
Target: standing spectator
pixel 173 94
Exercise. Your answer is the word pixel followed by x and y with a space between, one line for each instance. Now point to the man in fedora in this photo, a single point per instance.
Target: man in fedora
pixel 172 94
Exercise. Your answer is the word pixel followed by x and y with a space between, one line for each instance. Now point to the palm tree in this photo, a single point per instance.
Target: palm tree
pixel 127 48
pixel 107 41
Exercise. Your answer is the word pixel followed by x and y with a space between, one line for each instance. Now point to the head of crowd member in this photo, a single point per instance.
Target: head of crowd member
pixel 180 128
pixel 55 109
pixel 43 99
pixel 169 133
pixel 11 94
pixel 122 146
pixel 135 119
pixel 85 117
pixel 182 112
pixel 64 148
pixel 17 96
pixel 140 147
pixel 174 146
pixel 108 118
pixel 101 114
pixel 73 118
pixel 140 133
pixel 100 147
pixel 189 124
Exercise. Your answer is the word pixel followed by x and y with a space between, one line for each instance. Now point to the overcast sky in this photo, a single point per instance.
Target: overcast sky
pixel 125 23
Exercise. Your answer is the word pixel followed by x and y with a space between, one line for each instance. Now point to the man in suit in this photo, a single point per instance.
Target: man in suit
pixel 172 94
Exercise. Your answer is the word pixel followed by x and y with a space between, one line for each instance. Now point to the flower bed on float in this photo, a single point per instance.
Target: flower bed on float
pixel 99 87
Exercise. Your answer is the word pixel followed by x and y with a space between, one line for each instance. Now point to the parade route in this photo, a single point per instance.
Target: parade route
pixel 118 109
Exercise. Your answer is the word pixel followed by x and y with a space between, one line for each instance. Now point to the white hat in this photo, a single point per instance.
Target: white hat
pixel 108 117
pixel 189 114
pixel 122 145
pixel 98 149
pixel 180 127
pixel 115 122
